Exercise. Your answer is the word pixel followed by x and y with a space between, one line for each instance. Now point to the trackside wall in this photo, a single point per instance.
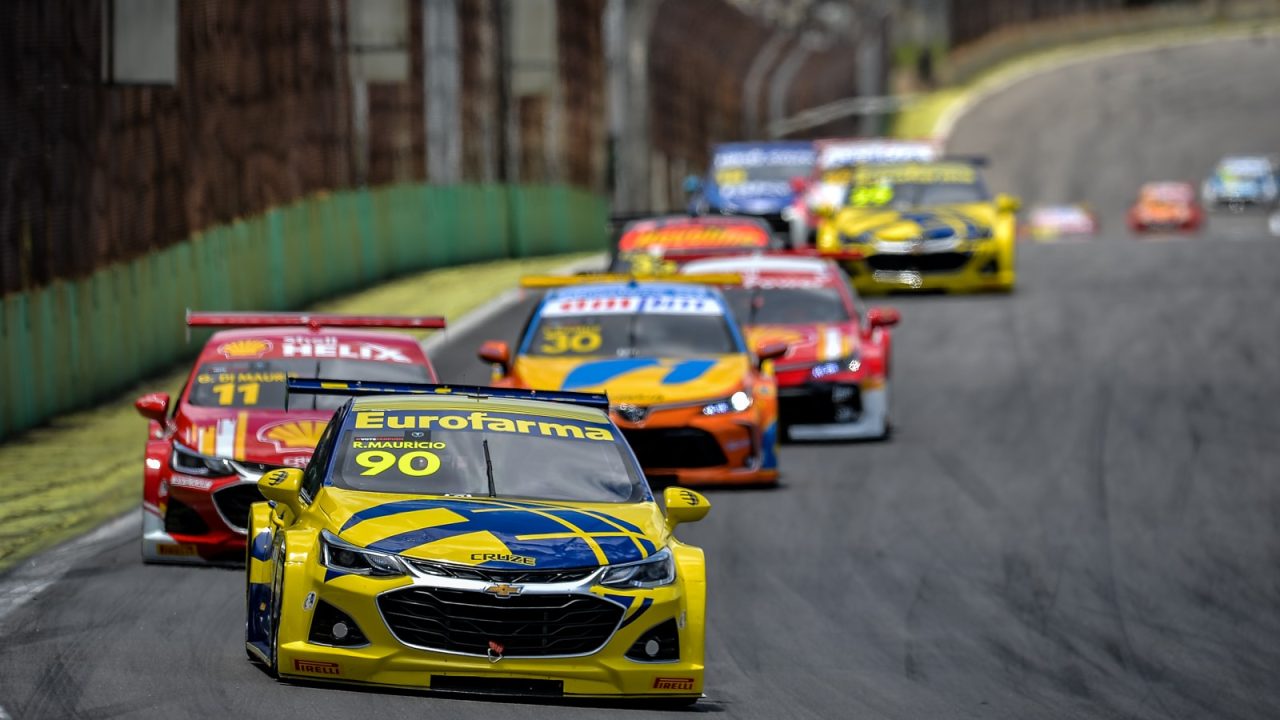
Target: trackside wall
pixel 74 342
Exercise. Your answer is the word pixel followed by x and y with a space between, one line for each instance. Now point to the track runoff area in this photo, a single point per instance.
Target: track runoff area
pixel 1075 517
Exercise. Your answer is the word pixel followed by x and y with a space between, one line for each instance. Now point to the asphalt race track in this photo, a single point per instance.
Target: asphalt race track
pixel 1078 515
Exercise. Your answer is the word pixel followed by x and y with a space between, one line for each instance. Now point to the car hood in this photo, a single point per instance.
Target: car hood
pixel 944 222
pixel 272 437
pixel 808 344
pixel 639 380
pixel 504 533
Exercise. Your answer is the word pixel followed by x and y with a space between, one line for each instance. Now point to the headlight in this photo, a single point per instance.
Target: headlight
pixel 339 555
pixel 655 571
pixel 736 402
pixel 850 364
pixel 980 233
pixel 189 462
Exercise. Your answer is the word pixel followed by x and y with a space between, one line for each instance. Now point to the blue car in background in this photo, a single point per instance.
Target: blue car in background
pixel 1240 180
pixel 760 179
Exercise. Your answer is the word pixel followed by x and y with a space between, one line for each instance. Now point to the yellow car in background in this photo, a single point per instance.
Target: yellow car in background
pixel 475 540
pixel 922 226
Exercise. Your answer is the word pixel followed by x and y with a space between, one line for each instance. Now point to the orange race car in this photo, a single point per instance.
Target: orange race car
pixel 696 405
pixel 1166 206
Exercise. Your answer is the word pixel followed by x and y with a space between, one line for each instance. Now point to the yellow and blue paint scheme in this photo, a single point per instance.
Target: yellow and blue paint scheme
pixel 476 559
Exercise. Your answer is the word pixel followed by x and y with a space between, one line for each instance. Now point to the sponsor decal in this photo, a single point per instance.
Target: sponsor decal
pixel 478 420
pixel 275 477
pixel 316 667
pixel 297 461
pixel 504 590
pixel 673 683
pixel 188 482
pixel 495 651
pixel 500 557
pixel 695 236
pixel 690 498
pixel 237 349
pixel 331 347
pixel 309 601
pixel 177 550
pixel 291 436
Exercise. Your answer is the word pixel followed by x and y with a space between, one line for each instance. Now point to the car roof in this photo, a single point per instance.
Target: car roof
pixel 481 403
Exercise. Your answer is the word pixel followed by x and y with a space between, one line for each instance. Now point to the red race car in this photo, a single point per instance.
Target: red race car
pixel 234 421
pixel 1166 206
pixel 833 382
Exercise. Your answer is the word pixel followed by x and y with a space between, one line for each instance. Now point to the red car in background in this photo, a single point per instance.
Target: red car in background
pixel 1166 206
pixel 234 421
pixel 655 246
pixel 833 382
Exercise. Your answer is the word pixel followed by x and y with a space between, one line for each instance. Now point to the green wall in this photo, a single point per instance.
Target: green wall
pixel 76 342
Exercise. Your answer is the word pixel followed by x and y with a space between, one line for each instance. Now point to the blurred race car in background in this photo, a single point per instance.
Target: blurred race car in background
pixel 1240 180
pixel 759 179
pixel 930 226
pixel 1165 206
pixel 475 540
pixel 833 381
pixel 653 246
pixel 232 422
pixel 1047 223
pixel 695 403
pixel 828 185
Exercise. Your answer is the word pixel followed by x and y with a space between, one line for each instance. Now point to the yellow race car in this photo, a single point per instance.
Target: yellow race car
pixel 475 540
pixel 922 226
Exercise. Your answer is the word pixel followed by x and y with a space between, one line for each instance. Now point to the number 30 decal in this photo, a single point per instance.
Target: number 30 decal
pixel 418 463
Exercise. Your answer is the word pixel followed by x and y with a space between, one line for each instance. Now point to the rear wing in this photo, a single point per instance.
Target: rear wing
pixel 314 321
pixel 366 388
pixel 556 281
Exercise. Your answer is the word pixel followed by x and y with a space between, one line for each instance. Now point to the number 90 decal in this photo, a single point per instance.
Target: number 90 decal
pixel 418 463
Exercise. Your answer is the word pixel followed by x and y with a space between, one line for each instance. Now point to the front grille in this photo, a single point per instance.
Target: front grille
pixel 182 519
pixel 463 621
pixel 675 448
pixel 233 503
pixel 819 404
pixel 922 263
pixel 513 577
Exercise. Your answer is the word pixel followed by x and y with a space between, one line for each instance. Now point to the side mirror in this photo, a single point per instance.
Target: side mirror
pixel 153 406
pixel 281 487
pixel 878 317
pixel 496 352
pixel 684 506
pixel 692 184
pixel 1007 203
pixel 771 350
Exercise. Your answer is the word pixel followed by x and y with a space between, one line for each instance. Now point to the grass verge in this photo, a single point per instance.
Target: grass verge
pixel 923 117
pixel 83 468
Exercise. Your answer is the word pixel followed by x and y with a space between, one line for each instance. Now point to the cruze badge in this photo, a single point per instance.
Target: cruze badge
pixel 504 590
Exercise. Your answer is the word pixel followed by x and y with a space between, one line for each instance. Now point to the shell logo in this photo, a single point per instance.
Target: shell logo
pixel 293 435
pixel 244 348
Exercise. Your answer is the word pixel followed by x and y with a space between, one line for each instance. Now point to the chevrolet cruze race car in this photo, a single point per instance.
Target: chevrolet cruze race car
pixel 1241 180
pixel 475 540
pixel 695 404
pixel 930 226
pixel 833 382
pixel 231 423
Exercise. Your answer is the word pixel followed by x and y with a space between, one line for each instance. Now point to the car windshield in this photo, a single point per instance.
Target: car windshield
pixel 1244 168
pixel 473 453
pixel 260 384
pixel 787 306
pixel 906 186
pixel 632 335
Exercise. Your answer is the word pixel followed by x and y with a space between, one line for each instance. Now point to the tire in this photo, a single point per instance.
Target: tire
pixel 277 601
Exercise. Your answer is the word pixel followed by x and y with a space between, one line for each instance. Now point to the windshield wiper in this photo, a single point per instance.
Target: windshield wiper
pixel 488 467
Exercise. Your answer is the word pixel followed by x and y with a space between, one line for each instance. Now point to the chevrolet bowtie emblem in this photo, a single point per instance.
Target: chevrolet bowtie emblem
pixel 504 590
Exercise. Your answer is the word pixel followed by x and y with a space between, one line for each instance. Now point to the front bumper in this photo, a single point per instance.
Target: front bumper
pixel 972 267
pixel 385 659
pixel 816 411
pixel 681 445
pixel 202 523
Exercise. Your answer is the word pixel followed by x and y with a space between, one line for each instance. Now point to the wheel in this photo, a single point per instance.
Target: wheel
pixel 277 600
